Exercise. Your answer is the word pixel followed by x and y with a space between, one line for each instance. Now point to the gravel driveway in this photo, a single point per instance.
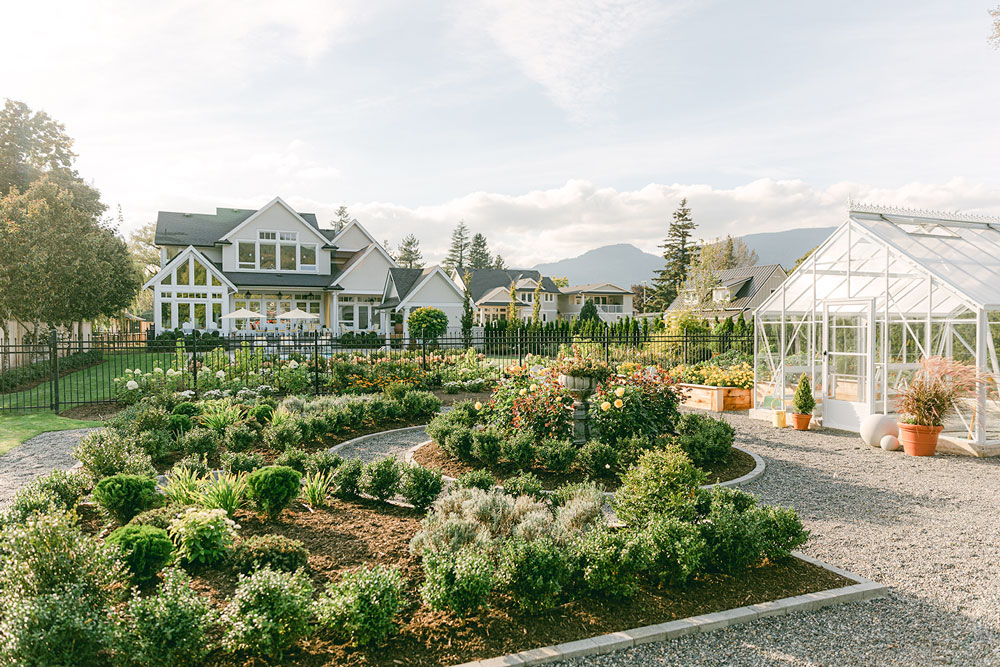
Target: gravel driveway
pixel 928 528
pixel 36 457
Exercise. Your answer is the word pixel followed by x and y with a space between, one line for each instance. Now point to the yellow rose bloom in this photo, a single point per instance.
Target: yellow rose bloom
pixel 523 392
pixel 533 387
pixel 618 403
pixel 479 406
pixel 605 406
pixel 619 392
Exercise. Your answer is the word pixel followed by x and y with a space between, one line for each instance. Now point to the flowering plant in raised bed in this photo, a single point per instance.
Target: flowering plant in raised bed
pixel 642 403
pixel 737 375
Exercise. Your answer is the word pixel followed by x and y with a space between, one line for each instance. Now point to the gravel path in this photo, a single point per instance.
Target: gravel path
pixel 36 457
pixel 383 444
pixel 928 528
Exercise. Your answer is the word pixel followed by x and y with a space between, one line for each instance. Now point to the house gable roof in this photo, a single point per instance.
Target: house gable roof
pixel 482 281
pixel 426 276
pixel 205 229
pixel 183 256
pixel 594 288
pixel 744 282
pixel 339 237
pixel 277 201
pixel 359 258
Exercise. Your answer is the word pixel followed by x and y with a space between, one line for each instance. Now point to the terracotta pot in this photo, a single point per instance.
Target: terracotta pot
pixel 801 422
pixel 919 440
pixel 397 328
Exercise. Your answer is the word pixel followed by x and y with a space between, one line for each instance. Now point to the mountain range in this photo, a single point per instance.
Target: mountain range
pixel 624 264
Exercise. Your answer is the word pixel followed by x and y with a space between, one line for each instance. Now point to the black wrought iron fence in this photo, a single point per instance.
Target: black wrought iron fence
pixel 60 373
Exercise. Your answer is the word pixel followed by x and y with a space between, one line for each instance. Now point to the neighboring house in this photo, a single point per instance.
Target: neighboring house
pixel 406 290
pixel 735 292
pixel 268 261
pixel 490 293
pixel 613 303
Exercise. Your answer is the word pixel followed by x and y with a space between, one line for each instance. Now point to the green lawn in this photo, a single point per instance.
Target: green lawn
pixel 85 386
pixel 15 429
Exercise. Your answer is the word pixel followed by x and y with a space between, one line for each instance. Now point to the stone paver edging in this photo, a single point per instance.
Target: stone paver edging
pixel 863 589
pixel 757 471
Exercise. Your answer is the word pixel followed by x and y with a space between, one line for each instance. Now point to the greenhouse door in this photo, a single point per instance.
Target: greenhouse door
pixel 847 354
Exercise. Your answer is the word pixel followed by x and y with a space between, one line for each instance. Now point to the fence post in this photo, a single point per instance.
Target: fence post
pixel 423 348
pixel 54 362
pixel 316 362
pixel 607 345
pixel 520 346
pixel 194 363
pixel 684 347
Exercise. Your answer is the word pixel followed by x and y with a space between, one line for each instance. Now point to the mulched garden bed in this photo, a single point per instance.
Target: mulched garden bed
pixel 92 411
pixel 432 456
pixel 451 399
pixel 348 534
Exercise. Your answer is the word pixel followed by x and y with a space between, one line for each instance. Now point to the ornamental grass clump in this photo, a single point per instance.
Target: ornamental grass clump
pixel 225 491
pixel 933 390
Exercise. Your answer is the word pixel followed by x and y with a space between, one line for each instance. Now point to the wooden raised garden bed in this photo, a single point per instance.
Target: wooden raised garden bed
pixel 716 399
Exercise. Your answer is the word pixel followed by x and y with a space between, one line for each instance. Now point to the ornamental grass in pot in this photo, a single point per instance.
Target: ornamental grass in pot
pixel 803 403
pixel 930 396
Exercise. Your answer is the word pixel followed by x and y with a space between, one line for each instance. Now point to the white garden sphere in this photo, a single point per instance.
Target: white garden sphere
pixel 890 443
pixel 876 427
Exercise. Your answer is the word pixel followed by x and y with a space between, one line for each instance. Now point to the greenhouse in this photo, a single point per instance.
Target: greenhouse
pixel 888 287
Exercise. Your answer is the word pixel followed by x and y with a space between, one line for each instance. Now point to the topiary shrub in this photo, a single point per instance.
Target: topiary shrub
pixel 524 484
pixel 597 459
pixel 477 479
pixel 677 550
pixel 145 549
pixel 121 497
pixel 380 478
pixel 662 482
pixel 427 323
pixel 347 478
pixel 168 628
pixel 362 607
pixel 268 614
pixel 322 462
pixel 609 562
pixel 457 582
pixel 239 438
pixel 534 572
pixel 274 551
pixel 261 412
pixel 239 462
pixel 556 455
pixel 803 401
pixel 420 486
pixel 704 439
pixel 520 449
pixel 104 453
pixel 293 458
pixel 200 441
pixel 272 488
pixel 487 446
pixel 203 537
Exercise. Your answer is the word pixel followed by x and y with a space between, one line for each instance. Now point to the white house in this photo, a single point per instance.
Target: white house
pixel 489 290
pixel 406 290
pixel 613 302
pixel 268 261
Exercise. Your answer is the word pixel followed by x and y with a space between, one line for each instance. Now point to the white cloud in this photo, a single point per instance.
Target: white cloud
pixel 545 225
pixel 566 46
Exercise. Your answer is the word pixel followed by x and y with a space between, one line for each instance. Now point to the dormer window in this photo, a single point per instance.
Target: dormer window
pixel 690 297
pixel 721 294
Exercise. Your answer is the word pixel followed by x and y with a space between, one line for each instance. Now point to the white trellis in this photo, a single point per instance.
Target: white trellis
pixel 888 287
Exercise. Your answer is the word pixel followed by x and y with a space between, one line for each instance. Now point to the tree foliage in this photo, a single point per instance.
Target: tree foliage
pixel 713 257
pixel 677 252
pixel 427 323
pixel 995 37
pixel 536 305
pixel 409 256
pixel 343 217
pixel 498 262
pixel 458 251
pixel 479 253
pixel 589 312
pixel 60 264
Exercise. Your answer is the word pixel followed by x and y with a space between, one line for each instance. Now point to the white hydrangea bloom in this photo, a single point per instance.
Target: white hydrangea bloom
pixel 132 385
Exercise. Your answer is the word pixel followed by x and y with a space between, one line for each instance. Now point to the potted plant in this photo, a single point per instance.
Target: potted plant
pixel 803 402
pixel 926 402
pixel 579 373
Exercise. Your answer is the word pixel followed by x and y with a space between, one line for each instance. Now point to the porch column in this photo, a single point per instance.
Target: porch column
pixel 335 317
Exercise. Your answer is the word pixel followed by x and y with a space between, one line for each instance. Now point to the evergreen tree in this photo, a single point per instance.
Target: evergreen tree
pixel 536 305
pixel 498 262
pixel 678 251
pixel 410 256
pixel 458 252
pixel 589 311
pixel 513 318
pixel 479 253
pixel 343 217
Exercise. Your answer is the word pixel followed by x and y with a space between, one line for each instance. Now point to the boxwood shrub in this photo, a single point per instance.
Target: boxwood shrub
pixel 274 551
pixel 272 488
pixel 363 605
pixel 121 497
pixel 146 549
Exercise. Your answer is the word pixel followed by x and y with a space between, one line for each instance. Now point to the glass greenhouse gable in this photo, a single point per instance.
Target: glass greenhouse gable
pixel 888 287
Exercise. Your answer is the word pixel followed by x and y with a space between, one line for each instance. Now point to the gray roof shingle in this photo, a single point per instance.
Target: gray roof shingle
pixel 204 229
pixel 482 281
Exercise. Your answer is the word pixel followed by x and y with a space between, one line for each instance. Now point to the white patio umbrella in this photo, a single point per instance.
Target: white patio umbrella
pixel 241 314
pixel 298 314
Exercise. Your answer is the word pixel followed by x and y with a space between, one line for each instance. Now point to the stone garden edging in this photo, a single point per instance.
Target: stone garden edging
pixel 863 589
pixel 757 471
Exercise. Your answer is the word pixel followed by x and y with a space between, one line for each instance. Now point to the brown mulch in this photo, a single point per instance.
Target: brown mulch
pixel 349 534
pixel 92 411
pixel 451 399
pixel 432 456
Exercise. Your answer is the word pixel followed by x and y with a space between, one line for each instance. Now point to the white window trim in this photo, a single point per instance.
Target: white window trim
pixel 277 242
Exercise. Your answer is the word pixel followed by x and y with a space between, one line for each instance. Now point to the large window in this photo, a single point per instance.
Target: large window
pixel 277 251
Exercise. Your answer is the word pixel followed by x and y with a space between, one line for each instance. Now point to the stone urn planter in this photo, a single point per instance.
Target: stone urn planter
pixel 581 387
pixel 919 440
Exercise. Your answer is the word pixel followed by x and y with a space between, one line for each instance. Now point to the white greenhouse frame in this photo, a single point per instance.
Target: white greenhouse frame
pixel 888 287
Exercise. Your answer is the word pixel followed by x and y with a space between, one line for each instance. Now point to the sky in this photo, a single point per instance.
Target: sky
pixel 552 127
